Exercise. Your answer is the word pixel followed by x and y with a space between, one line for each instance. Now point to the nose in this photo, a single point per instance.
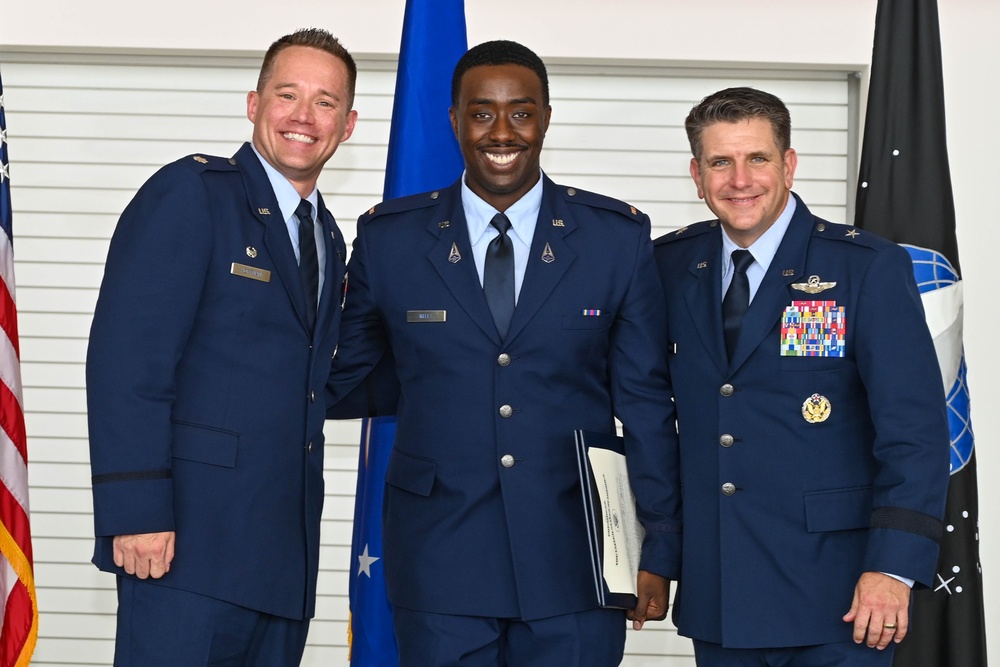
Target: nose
pixel 303 111
pixel 740 176
pixel 502 130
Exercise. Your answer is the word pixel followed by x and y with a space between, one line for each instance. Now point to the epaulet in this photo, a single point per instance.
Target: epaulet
pixel 200 162
pixel 687 232
pixel 837 232
pixel 577 196
pixel 401 204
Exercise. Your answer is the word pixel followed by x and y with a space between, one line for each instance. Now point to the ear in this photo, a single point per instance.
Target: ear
pixel 548 117
pixel 454 120
pixel 252 99
pixel 696 176
pixel 791 162
pixel 352 119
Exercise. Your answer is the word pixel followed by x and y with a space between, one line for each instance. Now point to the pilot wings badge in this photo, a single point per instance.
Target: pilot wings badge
pixel 813 285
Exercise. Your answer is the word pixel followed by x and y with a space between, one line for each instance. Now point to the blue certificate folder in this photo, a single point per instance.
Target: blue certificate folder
pixel 613 530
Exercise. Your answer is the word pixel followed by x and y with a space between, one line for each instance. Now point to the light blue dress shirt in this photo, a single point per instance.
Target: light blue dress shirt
pixel 523 216
pixel 288 200
pixel 763 251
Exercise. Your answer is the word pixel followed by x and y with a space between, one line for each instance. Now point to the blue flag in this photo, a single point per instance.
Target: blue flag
pixel 423 155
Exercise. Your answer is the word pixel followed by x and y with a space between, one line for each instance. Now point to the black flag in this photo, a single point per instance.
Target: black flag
pixel 904 194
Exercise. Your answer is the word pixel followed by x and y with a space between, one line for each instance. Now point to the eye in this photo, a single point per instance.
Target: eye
pixel 719 163
pixel 758 159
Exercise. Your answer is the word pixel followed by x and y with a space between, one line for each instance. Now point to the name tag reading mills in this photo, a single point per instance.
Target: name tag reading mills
pixel 426 315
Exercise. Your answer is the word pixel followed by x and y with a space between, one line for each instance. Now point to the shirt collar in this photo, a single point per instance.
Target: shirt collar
pixel 286 194
pixel 523 214
pixel 764 248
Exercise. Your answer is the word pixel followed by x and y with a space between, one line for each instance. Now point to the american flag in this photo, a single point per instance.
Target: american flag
pixel 19 606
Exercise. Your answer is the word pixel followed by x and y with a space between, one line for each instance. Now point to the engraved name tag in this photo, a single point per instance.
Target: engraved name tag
pixel 251 272
pixel 426 315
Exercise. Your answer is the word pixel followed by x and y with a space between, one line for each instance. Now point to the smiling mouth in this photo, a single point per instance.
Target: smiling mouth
pixel 501 159
pixel 295 136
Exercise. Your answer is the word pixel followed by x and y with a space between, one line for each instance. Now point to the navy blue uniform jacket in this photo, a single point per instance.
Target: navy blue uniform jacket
pixel 815 504
pixel 465 534
pixel 205 388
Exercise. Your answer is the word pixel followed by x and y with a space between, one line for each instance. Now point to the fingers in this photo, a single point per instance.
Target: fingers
pixel 879 611
pixel 144 555
pixel 653 591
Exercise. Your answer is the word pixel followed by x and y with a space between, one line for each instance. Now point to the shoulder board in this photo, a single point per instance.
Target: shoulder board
pixel 401 204
pixel 688 231
pixel 201 162
pixel 577 196
pixel 847 233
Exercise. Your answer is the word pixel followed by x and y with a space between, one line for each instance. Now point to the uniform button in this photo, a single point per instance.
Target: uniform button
pixel 312 396
pixel 507 461
pixel 506 411
pixel 726 389
pixel 309 448
pixel 728 489
pixel 726 440
pixel 504 359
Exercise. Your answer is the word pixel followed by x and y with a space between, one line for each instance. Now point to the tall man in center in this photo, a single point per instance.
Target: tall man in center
pixel 516 310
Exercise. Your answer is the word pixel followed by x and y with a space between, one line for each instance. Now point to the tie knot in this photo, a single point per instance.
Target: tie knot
pixel 742 259
pixel 304 211
pixel 501 223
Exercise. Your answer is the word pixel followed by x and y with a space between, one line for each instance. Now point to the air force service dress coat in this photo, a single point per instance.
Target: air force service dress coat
pixel 205 386
pixel 483 513
pixel 801 472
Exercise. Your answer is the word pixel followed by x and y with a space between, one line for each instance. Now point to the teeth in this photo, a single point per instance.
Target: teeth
pixel 501 158
pixel 293 136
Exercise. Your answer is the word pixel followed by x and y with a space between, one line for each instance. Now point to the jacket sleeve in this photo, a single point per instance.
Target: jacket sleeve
pixel 147 306
pixel 643 402
pixel 899 368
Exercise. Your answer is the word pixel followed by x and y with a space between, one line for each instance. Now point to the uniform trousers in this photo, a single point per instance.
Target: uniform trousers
pixel 841 654
pixel 593 638
pixel 167 627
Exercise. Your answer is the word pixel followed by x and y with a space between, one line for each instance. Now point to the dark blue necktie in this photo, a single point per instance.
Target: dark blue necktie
pixel 308 260
pixel 734 305
pixel 498 275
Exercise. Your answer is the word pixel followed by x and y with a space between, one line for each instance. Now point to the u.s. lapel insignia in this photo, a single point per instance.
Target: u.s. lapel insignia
pixel 558 223
pixel 251 251
pixel 444 224
pixel 264 211
pixel 788 272
pixel 702 265
pixel 852 233
pixel 813 285
pixel 547 255
pixel 816 409
pixel 454 256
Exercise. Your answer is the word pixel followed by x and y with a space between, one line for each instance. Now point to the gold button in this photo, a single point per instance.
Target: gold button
pixel 726 440
pixel 506 411
pixel 726 389
pixel 728 489
pixel 504 359
pixel 507 461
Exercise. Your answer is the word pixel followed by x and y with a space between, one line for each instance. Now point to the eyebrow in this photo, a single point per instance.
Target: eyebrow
pixel 327 93
pixel 516 100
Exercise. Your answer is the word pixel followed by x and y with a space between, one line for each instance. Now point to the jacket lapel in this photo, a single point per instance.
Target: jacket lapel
pixel 769 303
pixel 548 260
pixel 451 256
pixel 332 278
pixel 264 207
pixel 702 293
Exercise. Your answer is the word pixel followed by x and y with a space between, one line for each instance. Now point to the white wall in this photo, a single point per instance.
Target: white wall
pixel 709 32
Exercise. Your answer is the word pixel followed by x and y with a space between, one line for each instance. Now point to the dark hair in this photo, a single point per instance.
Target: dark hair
pixel 737 104
pixel 315 38
pixel 499 52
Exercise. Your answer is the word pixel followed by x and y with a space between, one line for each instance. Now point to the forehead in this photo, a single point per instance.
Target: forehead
pixel 500 82
pixel 754 135
pixel 304 63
